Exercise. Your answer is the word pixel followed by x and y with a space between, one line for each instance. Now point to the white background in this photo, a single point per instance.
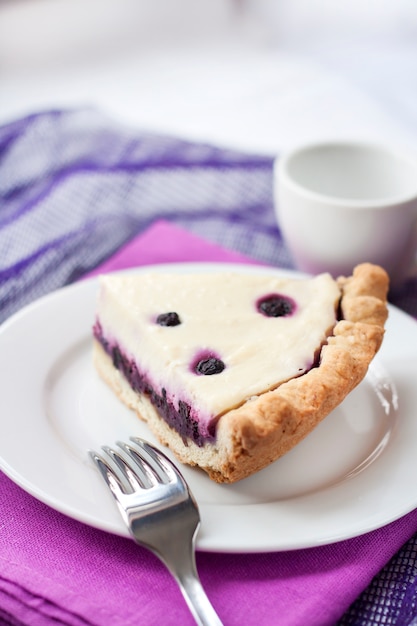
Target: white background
pixel 262 75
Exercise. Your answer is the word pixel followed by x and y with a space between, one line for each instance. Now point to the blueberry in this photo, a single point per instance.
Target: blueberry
pixel 276 306
pixel 117 357
pixel 168 319
pixel 210 365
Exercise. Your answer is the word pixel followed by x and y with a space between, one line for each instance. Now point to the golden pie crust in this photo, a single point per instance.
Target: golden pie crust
pixel 260 431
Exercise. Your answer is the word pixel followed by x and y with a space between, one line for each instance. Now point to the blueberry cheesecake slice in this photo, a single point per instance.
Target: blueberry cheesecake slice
pixel 232 370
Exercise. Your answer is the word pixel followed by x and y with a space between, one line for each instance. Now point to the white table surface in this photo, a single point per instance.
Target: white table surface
pixel 261 75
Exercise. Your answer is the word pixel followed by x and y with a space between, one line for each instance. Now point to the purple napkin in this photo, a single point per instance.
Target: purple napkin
pixel 166 243
pixel 54 570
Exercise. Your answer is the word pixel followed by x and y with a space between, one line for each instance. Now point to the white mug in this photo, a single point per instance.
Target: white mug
pixel 342 203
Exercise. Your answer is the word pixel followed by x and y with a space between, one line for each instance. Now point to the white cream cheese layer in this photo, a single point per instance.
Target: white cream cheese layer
pixel 219 315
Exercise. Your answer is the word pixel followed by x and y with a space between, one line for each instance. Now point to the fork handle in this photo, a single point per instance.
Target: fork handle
pixel 197 600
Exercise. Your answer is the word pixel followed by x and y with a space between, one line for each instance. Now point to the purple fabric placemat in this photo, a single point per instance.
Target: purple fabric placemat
pixel 76 189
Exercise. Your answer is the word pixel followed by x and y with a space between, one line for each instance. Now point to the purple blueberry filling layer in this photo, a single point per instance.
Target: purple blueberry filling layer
pixel 182 419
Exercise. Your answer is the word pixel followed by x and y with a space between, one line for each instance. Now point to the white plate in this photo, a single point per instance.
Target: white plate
pixel 356 472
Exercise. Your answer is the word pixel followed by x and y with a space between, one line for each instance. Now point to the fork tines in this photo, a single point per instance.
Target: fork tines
pixel 135 466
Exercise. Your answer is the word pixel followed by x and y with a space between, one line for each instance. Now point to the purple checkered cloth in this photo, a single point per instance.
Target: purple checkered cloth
pixel 75 186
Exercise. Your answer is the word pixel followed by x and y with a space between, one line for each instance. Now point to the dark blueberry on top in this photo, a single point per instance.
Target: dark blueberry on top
pixel 209 366
pixel 168 319
pixel 276 305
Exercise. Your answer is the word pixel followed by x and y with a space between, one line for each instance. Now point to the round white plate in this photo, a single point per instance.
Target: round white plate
pixel 356 472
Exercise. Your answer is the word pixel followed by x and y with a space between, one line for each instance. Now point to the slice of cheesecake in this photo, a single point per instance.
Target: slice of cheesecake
pixel 232 370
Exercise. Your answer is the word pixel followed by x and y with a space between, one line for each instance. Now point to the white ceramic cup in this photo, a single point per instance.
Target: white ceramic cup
pixel 342 203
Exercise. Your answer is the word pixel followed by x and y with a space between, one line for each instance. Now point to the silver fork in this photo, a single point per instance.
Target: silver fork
pixel 160 513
